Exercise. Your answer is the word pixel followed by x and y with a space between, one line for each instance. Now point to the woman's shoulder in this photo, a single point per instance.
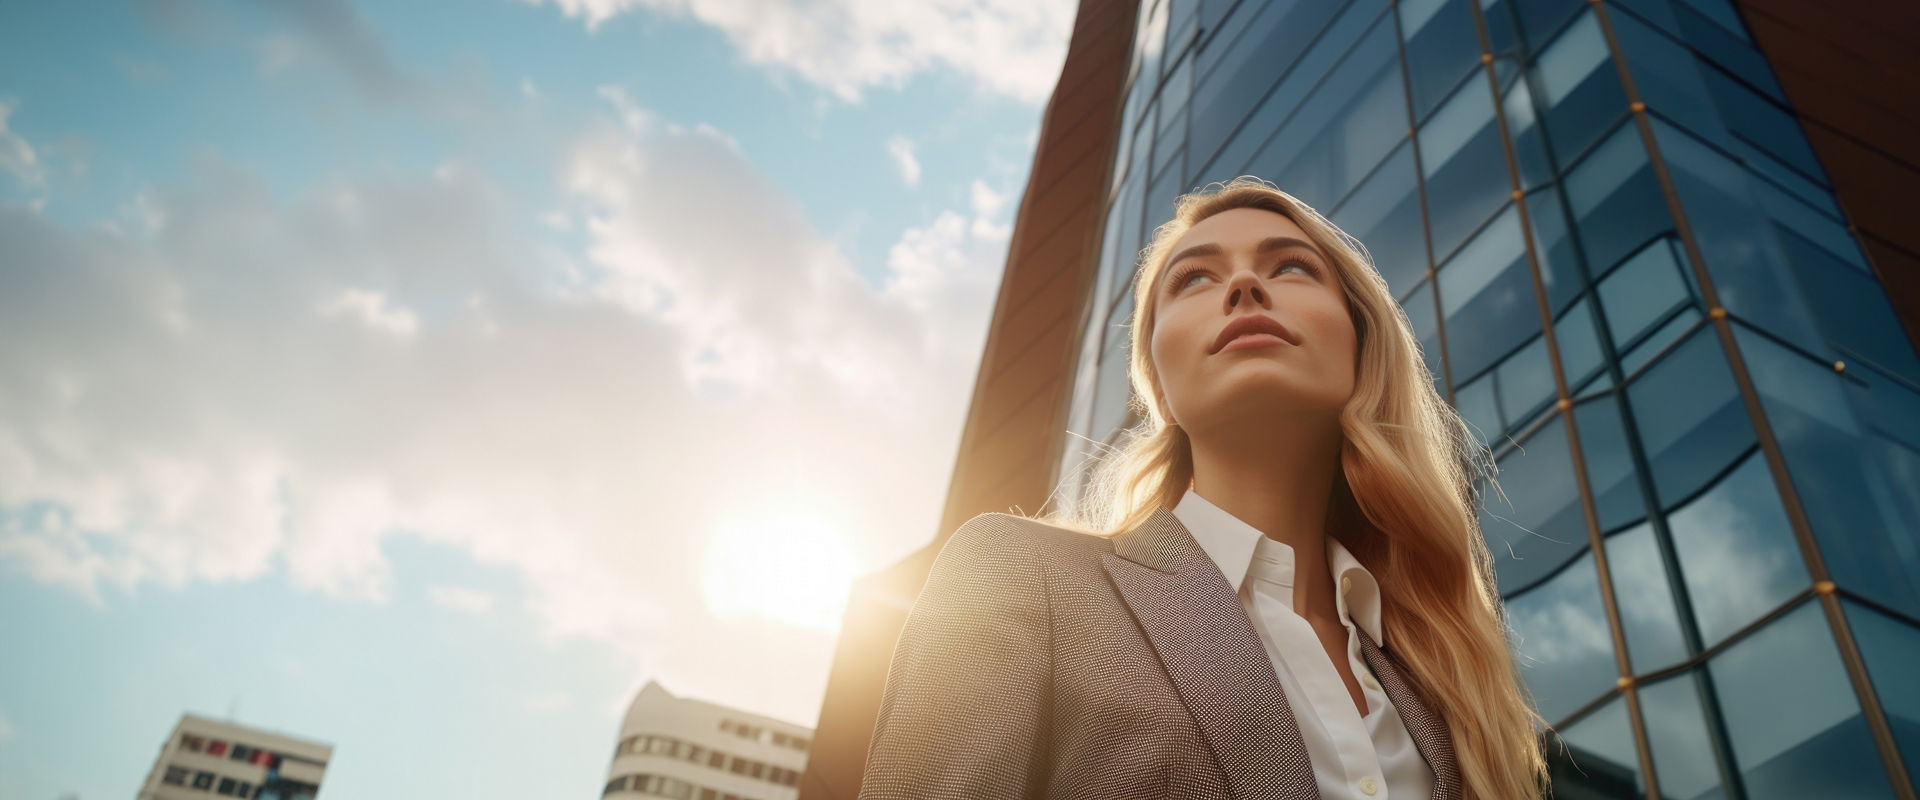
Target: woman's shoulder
pixel 1008 538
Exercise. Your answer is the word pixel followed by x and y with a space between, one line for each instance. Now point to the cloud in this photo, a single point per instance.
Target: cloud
pixel 1012 48
pixel 987 205
pixel 334 31
pixel 589 418
pixel 460 598
pixel 900 148
pixel 17 157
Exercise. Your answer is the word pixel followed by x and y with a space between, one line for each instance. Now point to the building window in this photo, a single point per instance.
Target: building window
pixel 241 752
pixel 203 780
pixel 759 769
pixel 717 759
pixel 176 776
pixel 191 742
pixel 227 785
pixel 216 748
pixel 709 794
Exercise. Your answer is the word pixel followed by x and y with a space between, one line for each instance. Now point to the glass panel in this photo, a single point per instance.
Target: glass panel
pixel 1559 269
pixel 1578 88
pixel 1600 760
pixel 1442 47
pixel 1529 142
pixel 1476 404
pixel 1737 551
pixel 1152 42
pixel 1579 347
pixel 1616 200
pixel 1487 300
pixel 1792 715
pixel 1539 18
pixel 1525 383
pixel 1249 67
pixel 1852 310
pixel 1348 125
pixel 1466 166
pixel 1272 112
pixel 1173 100
pixel 1855 466
pixel 1617 498
pixel 1691 420
pixel 1127 249
pixel 1419 308
pixel 1160 198
pixel 1676 327
pixel 1891 648
pixel 1644 291
pixel 1677 734
pixel 1538 526
pixel 1667 77
pixel 1641 589
pixel 1384 214
pixel 1110 398
pixel 1561 640
pixel 1749 271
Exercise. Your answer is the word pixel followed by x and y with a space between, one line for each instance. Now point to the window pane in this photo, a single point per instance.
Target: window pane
pixel 1891 648
pixel 1579 89
pixel 1562 642
pixel 1852 454
pixel 1465 165
pixel 1691 419
pixel 1110 398
pixel 1344 128
pixel 1538 527
pixel 1384 214
pixel 1792 715
pixel 1737 551
pixel 1645 291
pixel 1617 498
pixel 1442 47
pixel 1476 404
pixel 1419 308
pixel 1677 734
pixel 1616 200
pixel 1251 65
pixel 1600 760
pixel 1524 383
pixel 1487 297
pixel 1279 104
pixel 1579 345
pixel 1647 613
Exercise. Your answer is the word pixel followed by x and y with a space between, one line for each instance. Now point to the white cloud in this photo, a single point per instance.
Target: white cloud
pixel 900 148
pixel 987 206
pixel 587 421
pixel 1007 47
pixel 18 159
pixel 372 309
pixel 461 598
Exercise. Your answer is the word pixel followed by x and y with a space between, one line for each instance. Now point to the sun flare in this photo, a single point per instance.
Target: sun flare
pixel 792 568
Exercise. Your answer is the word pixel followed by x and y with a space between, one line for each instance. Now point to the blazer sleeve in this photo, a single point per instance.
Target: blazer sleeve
pixel 967 695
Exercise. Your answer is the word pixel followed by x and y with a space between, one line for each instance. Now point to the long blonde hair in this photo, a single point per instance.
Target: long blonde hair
pixel 1405 503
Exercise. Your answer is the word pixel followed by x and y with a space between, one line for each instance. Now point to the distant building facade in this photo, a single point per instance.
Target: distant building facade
pixel 205 758
pixel 695 750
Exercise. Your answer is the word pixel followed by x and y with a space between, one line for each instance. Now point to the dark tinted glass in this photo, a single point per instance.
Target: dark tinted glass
pixel 1692 422
pixel 1891 648
pixel 1561 640
pixel 1617 497
pixel 1599 759
pixel 1792 715
pixel 1538 527
pixel 1737 551
pixel 1677 734
pixel 1344 128
pixel 1645 597
pixel 1466 167
pixel 1384 214
pixel 1486 296
pixel 1442 47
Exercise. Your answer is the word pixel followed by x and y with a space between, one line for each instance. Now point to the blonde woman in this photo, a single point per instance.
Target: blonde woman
pixel 1276 587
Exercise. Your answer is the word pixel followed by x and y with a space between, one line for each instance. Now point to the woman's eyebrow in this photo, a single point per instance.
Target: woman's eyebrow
pixel 1268 244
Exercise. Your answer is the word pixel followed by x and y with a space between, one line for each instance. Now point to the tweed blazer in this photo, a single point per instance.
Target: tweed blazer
pixel 1042 662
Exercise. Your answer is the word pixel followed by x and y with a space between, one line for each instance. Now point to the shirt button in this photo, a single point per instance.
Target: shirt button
pixel 1346 582
pixel 1367 785
pixel 1371 683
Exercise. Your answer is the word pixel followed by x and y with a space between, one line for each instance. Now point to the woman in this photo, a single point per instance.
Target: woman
pixel 1158 642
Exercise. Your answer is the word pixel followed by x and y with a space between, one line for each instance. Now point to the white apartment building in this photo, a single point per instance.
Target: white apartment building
pixel 694 750
pixel 206 758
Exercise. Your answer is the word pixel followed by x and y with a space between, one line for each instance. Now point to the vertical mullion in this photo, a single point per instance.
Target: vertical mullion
pixel 1420 186
pixel 1564 403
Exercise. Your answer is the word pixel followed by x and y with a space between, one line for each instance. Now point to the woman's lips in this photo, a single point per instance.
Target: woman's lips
pixel 1244 341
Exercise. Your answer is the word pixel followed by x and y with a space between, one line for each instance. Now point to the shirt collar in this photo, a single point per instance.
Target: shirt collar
pixel 1231 543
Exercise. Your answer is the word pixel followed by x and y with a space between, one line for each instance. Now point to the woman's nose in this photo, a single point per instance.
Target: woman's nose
pixel 1245 286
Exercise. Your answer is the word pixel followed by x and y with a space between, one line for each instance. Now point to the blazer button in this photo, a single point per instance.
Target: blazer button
pixel 1367 785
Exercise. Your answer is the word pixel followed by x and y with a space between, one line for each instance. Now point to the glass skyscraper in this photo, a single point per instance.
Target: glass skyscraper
pixel 1629 270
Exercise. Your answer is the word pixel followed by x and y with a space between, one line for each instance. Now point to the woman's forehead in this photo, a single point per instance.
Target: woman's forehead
pixel 1240 228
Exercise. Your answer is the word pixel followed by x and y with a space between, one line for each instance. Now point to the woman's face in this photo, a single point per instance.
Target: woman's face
pixel 1250 265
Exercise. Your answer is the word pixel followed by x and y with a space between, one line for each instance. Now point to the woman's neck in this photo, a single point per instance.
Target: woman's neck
pixel 1280 484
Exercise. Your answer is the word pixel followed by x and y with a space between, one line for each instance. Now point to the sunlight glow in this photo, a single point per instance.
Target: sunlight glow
pixel 791 568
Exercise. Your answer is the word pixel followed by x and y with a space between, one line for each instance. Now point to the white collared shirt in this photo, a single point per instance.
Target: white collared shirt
pixel 1354 758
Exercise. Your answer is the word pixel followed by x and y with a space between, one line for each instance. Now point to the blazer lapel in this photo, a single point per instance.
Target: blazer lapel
pixel 1210 650
pixel 1429 732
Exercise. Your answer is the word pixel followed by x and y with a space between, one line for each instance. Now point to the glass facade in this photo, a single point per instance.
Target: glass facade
pixel 1628 270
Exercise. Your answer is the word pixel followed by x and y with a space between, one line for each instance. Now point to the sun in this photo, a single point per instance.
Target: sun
pixel 792 568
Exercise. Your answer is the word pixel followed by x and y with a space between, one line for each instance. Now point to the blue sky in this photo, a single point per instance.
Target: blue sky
pixel 425 377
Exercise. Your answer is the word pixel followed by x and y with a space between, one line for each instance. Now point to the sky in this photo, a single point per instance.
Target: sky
pixel 425 377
